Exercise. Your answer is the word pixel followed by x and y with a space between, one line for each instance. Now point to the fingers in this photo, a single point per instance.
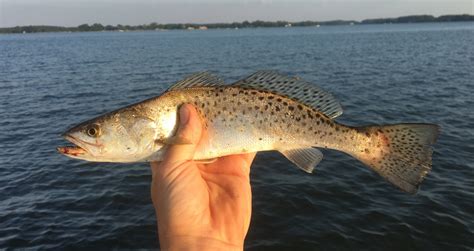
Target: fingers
pixel 248 157
pixel 189 131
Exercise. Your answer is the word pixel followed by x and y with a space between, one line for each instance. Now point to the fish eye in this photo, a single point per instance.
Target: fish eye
pixel 93 130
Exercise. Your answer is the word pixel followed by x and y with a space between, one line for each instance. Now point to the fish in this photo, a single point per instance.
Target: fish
pixel 266 111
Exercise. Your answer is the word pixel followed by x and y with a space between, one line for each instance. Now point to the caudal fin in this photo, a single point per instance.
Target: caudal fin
pixel 400 153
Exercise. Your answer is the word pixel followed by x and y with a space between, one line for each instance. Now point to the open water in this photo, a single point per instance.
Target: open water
pixel 381 74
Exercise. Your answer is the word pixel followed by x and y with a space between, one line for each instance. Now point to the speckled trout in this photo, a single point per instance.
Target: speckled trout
pixel 265 111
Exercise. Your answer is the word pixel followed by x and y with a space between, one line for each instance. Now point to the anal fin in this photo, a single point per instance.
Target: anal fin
pixel 305 158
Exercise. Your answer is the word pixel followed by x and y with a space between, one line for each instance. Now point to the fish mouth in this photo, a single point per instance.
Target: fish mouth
pixel 78 149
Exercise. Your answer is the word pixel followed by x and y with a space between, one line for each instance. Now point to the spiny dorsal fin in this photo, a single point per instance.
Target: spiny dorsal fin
pixel 199 79
pixel 294 88
pixel 305 158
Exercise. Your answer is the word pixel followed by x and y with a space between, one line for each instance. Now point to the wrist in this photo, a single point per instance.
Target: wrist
pixel 182 243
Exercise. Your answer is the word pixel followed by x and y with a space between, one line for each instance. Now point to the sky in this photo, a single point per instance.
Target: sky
pixel 76 12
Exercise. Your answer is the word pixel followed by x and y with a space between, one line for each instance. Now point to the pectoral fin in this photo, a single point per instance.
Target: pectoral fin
pixel 205 161
pixel 175 140
pixel 305 158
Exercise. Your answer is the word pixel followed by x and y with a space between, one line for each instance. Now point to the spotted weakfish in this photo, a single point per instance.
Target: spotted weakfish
pixel 265 111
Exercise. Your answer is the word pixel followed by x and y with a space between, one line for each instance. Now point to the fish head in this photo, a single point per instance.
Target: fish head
pixel 117 137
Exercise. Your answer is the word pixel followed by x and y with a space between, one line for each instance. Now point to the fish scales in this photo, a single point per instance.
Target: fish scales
pixel 265 111
pixel 262 120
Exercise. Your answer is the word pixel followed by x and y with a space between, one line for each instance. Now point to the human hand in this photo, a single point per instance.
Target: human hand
pixel 200 206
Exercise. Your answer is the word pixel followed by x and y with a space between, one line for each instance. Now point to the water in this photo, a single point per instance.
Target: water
pixel 381 74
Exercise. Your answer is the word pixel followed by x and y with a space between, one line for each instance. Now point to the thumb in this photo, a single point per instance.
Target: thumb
pixel 189 131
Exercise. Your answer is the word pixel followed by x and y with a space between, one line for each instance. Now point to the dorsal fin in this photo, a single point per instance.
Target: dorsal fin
pixel 199 79
pixel 294 88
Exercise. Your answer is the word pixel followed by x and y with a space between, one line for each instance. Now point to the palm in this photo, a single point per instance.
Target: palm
pixel 206 199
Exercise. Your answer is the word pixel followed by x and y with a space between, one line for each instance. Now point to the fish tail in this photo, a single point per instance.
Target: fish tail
pixel 400 153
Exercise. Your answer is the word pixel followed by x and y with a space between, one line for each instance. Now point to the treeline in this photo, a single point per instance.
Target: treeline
pixel 156 26
pixel 234 25
pixel 420 19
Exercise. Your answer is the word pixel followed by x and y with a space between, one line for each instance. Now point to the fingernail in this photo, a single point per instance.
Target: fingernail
pixel 183 116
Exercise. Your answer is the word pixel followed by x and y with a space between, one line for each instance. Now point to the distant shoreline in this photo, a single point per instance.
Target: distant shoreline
pixel 234 25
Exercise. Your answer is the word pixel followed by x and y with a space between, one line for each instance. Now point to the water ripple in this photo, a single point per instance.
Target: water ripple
pixel 382 74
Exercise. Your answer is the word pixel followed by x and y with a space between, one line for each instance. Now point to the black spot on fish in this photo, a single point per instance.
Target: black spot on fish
pixel 291 108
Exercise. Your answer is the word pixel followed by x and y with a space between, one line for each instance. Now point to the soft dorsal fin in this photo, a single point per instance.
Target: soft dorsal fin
pixel 199 79
pixel 294 88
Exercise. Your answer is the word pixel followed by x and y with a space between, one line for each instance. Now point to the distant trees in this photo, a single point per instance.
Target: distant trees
pixel 110 28
pixel 97 27
pixel 94 27
pixel 244 24
pixel 84 27
pixel 420 19
pixel 455 18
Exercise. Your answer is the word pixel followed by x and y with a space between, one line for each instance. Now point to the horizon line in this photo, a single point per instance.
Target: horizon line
pixel 251 21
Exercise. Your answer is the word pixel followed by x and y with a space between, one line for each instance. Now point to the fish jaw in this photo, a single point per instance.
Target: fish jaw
pixel 78 150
